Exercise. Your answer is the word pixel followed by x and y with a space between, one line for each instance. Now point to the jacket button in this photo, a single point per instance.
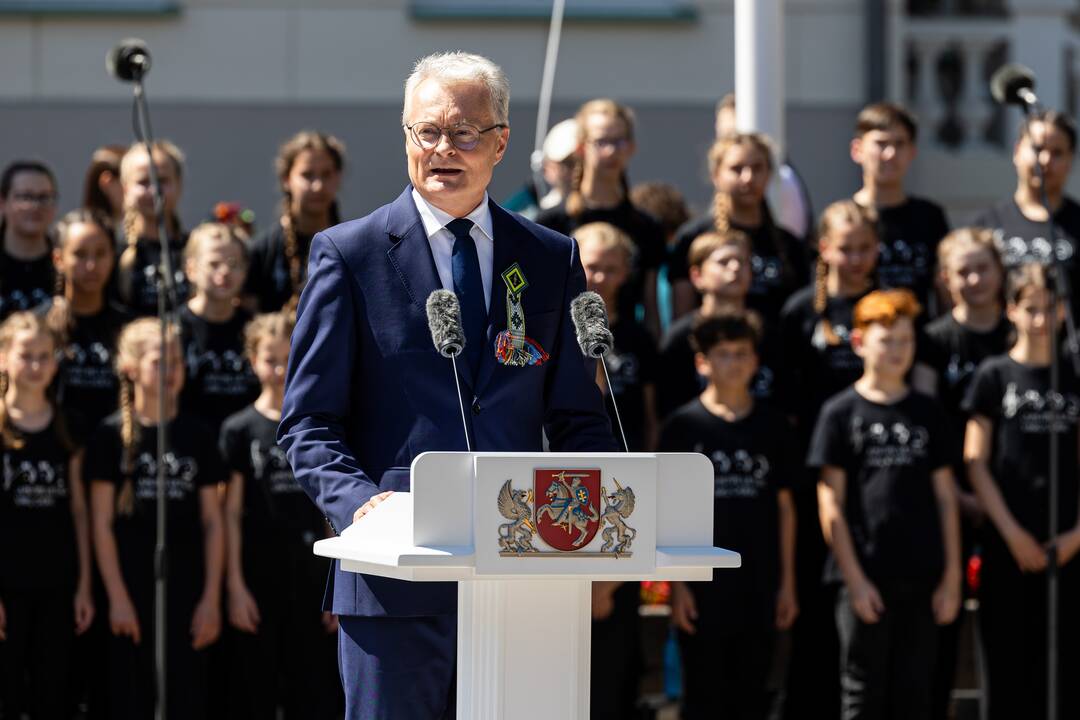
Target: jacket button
pixel 476 407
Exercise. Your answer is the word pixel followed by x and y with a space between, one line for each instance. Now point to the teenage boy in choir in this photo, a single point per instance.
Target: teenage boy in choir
pixel 1019 222
pixel 910 227
pixel 27 209
pixel 888 510
pixel 727 626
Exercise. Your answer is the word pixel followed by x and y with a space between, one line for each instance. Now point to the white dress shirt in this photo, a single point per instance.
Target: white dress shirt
pixel 442 240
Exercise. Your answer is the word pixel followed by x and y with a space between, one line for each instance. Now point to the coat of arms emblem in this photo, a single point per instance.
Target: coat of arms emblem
pixel 568 514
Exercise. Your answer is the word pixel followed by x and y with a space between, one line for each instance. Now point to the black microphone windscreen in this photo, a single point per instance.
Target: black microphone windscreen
pixel 1008 81
pixel 589 315
pixel 129 60
pixel 444 322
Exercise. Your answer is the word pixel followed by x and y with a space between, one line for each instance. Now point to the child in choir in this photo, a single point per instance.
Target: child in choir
pixel 727 627
pixel 138 245
pixel 600 192
pixel 27 209
pixel 122 467
pixel 954 344
pixel 45 597
pixel 102 190
pixel 888 511
pixel 308 167
pixel 1013 409
pixel 740 166
pixel 83 257
pixel 607 255
pixel 219 377
pixel 666 205
pixel 909 227
pixel 275 583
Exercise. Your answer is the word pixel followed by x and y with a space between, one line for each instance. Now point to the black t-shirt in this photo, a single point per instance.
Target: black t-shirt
pixel 1022 241
pixel 631 366
pixel 1018 402
pixel 276 509
pixel 954 352
pixel 752 461
pixel 25 284
pixel 889 454
pixel 643 230
pixel 87 380
pixel 269 278
pixel 37 534
pixel 778 261
pixel 219 380
pixel 910 233
pixel 813 370
pixel 137 290
pixel 191 462
pixel 679 381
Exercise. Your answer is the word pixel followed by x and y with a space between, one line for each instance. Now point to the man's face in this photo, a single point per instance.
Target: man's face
pixel 885 155
pixel 453 180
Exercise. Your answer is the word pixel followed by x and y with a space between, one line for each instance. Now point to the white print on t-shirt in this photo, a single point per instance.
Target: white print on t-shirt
pixel 956 371
pixel 1016 250
pixel 148 292
pixel 23 300
pixel 888 445
pixel 89 367
pixel 272 467
pixel 901 264
pixel 38 484
pixel 739 474
pixel 624 370
pixel 762 384
pixel 180 476
pixel 767 272
pixel 220 374
pixel 1036 410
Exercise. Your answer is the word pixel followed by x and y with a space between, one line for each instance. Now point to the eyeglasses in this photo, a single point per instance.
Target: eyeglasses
pixel 42 199
pixel 462 136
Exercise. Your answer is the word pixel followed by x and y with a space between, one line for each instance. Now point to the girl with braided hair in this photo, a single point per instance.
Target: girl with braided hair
pixel 45 597
pixel 121 464
pixel 138 246
pixel 600 192
pixel 308 167
pixel 740 166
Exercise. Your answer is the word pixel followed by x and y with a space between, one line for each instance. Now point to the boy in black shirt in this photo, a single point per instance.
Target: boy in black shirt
pixel 888 509
pixel 909 228
pixel 27 208
pixel 727 626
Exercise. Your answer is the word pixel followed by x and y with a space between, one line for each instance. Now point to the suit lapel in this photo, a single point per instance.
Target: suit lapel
pixel 410 254
pixel 507 250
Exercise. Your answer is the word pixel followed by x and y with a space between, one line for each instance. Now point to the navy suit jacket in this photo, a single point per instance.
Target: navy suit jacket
pixel 367 392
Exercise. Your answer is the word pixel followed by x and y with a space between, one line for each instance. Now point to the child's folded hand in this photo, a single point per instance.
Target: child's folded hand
pixel 683 608
pixel 787 607
pixel 946 601
pixel 866 602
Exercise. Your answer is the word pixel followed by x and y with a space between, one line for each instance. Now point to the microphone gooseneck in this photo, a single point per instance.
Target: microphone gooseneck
pixel 444 323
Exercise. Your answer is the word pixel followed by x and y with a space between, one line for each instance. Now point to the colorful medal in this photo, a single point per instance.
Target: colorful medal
pixel 512 346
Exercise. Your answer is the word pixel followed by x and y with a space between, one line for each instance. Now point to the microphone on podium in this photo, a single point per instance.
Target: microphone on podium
pixel 444 323
pixel 589 315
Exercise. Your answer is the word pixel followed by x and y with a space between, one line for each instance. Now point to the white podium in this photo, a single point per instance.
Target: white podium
pixel 525 535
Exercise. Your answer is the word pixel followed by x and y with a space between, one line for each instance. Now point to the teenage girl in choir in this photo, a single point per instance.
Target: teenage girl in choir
pixel 44 527
pixel 954 344
pixel 1012 409
pixel 139 249
pixel 309 167
pixel 27 209
pixel 600 192
pixel 121 465
pixel 84 256
pixel 219 378
pixel 275 582
pixel 102 190
pixel 740 166
pixel 817 361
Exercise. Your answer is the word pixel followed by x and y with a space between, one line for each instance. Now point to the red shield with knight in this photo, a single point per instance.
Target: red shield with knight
pixel 567 507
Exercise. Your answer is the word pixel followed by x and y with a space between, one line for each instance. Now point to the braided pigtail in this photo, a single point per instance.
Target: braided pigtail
pixel 125 499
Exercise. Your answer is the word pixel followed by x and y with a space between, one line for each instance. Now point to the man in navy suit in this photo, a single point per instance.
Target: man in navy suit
pixel 367 391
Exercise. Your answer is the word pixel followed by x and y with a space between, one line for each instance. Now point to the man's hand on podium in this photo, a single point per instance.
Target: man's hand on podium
pixel 683 607
pixel 370 504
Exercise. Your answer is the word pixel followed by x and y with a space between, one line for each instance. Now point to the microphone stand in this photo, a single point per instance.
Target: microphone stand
pixel 166 297
pixel 1059 293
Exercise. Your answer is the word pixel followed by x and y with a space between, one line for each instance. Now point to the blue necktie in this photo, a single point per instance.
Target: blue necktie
pixel 469 287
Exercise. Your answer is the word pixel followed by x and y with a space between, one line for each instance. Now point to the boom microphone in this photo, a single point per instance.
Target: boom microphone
pixel 129 60
pixel 444 322
pixel 589 315
pixel 1013 84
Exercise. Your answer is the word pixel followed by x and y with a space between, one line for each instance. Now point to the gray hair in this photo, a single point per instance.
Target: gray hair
pixel 458 66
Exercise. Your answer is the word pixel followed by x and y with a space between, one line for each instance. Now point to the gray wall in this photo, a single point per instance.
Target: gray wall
pixel 230 148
